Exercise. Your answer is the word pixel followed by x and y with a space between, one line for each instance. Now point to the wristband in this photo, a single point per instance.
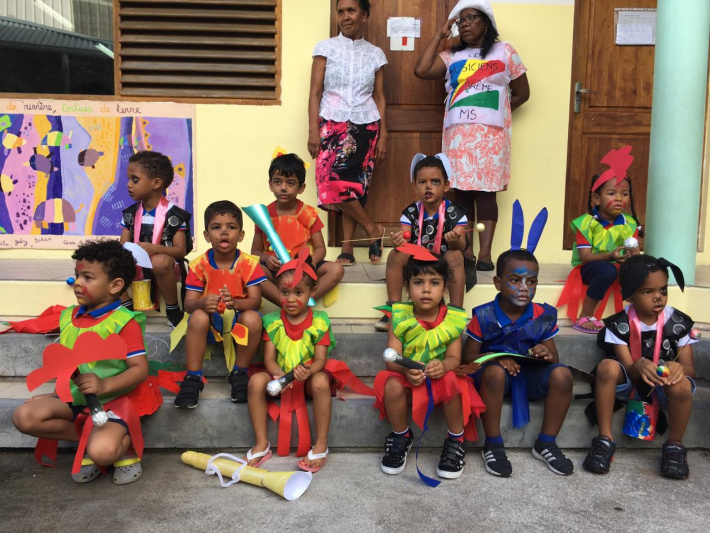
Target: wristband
pixel 437 36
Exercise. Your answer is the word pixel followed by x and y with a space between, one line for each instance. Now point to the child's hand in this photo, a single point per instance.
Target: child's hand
pixel 647 372
pixel 509 365
pixel 415 376
pixel 467 369
pixel 677 373
pixel 273 263
pixel 618 254
pixel 226 297
pixel 396 238
pixel 301 373
pixel 210 303
pixel 89 384
pixel 540 351
pixel 435 369
pixel 453 238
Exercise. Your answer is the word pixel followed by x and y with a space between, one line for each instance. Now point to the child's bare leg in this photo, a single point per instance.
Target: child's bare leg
pixel 46 418
pixel 492 389
pixel 107 444
pixel 318 388
pixel 396 405
pixel 329 275
pixel 164 273
pixel 196 340
pixel 258 411
pixel 680 402
pixel 559 397
pixel 394 274
pixel 252 321
pixel 609 375
pixel 457 282
pixel 453 413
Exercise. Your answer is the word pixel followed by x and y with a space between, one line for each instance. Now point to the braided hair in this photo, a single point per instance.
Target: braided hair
pixel 639 224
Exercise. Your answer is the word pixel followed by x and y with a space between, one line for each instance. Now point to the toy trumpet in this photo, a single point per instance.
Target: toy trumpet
pixel 260 215
pixel 275 386
pixel 290 485
pixel 391 356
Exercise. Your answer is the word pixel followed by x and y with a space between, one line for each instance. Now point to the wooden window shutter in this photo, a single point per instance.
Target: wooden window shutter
pixel 197 49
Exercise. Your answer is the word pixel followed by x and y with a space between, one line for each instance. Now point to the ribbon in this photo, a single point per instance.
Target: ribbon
pixel 440 230
pixel 299 266
pixel 575 291
pixel 158 221
pixel 211 469
pixel 430 407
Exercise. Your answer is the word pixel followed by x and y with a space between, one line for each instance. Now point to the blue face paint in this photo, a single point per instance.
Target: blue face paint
pixel 520 293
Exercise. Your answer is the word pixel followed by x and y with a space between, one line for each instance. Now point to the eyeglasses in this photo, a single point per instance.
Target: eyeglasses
pixel 468 19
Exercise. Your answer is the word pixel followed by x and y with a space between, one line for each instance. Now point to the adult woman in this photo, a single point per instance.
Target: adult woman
pixel 346 119
pixel 485 81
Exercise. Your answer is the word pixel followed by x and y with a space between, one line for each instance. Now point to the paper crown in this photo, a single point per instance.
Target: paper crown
pixel 441 157
pixel 619 161
pixel 518 228
pixel 280 150
pixel 299 266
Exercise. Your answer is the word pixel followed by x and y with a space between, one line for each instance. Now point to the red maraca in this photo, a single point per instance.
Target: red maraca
pixel 221 307
pixel 407 235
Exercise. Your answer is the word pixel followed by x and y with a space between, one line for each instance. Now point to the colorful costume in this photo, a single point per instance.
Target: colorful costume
pixel 296 345
pixel 176 219
pixel 424 342
pixel 594 233
pixel 431 227
pixel 294 230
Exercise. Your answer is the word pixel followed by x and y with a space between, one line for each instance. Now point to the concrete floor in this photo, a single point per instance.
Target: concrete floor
pixel 351 494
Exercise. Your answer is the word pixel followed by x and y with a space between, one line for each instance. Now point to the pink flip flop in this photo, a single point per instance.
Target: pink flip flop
pixel 312 457
pixel 583 320
pixel 262 456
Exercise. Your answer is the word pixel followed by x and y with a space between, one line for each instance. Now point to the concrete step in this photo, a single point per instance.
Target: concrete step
pixel 218 423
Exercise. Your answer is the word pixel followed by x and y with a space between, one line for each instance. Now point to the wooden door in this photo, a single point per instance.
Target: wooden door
pixel 415 111
pixel 615 112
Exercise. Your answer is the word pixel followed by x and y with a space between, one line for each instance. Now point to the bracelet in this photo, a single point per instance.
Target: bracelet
pixel 437 36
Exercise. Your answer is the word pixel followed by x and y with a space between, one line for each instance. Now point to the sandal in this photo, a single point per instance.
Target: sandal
pixel 598 324
pixel 262 456
pixel 376 250
pixel 484 266
pixel 127 470
pixel 345 259
pixel 312 457
pixel 89 471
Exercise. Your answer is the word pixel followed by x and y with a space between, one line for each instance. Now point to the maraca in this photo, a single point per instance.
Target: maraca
pixel 407 235
pixel 663 371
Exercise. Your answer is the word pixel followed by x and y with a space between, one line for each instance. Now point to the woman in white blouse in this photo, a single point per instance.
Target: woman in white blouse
pixel 346 123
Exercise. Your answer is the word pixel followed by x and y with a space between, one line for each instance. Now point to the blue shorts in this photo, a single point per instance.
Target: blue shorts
pixel 112 417
pixel 537 378
pixel 623 390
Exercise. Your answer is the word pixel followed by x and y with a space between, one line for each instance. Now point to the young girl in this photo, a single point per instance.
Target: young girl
pixel 646 335
pixel 600 236
pixel 296 339
pixel 427 331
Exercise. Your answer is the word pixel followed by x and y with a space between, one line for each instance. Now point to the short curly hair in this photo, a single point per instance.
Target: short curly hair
pixel 156 165
pixel 223 207
pixel 116 261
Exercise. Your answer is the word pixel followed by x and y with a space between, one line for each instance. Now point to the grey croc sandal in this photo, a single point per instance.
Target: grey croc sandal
pixel 127 470
pixel 88 472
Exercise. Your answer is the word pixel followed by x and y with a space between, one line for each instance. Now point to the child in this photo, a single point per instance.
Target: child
pixel 513 323
pixel 433 222
pixel 629 338
pixel 600 235
pixel 428 331
pixel 297 224
pixel 225 276
pixel 296 339
pixel 160 227
pixel 103 271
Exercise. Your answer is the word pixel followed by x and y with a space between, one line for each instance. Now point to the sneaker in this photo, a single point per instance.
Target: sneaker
pixel 674 460
pixel 189 392
pixel 496 460
pixel 550 453
pixel 174 316
pixel 383 324
pixel 600 456
pixel 239 379
pixel 396 449
pixel 452 459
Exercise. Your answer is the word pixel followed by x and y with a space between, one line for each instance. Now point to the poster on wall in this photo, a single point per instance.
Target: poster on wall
pixel 63 165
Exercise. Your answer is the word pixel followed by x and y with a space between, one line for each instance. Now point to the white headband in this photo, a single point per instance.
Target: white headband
pixel 480 5
pixel 441 157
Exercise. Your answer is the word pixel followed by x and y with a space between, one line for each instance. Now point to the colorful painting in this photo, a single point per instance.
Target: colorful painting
pixel 63 166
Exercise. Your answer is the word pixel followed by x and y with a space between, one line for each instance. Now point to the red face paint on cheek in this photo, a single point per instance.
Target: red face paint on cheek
pixel 284 301
pixel 85 292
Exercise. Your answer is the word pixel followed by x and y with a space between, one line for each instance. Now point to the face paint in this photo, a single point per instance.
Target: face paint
pixel 284 301
pixel 80 266
pixel 522 290
pixel 86 292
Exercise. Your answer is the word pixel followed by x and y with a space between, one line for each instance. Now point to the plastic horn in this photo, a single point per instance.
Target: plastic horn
pixel 98 415
pixel 391 356
pixel 275 386
pixel 260 215
pixel 290 485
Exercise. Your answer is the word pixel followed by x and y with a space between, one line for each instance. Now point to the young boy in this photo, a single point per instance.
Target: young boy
pixel 513 323
pixel 297 224
pixel 433 222
pixel 629 338
pixel 103 271
pixel 225 276
pixel 159 227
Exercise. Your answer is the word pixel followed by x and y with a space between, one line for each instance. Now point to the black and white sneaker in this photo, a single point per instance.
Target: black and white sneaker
pixel 396 449
pixel 239 380
pixel 189 393
pixel 674 460
pixel 383 324
pixel 496 460
pixel 550 453
pixel 600 456
pixel 452 459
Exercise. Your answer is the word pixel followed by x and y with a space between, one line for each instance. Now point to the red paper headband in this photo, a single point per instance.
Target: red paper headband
pixel 619 160
pixel 299 266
